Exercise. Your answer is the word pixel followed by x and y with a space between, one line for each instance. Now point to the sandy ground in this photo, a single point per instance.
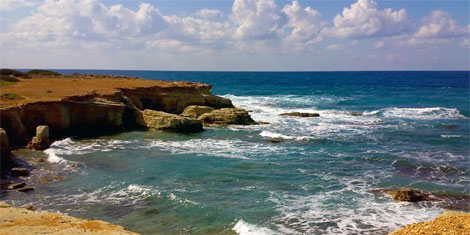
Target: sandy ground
pixel 56 88
pixel 22 221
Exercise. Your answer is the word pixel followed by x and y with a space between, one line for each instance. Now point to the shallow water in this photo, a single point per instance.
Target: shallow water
pixel 413 131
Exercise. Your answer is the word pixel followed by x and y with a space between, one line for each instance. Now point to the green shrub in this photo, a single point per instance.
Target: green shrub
pixel 8 78
pixel 13 73
pixel 11 96
pixel 43 72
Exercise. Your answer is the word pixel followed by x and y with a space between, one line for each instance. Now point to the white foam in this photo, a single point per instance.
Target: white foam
pixel 421 113
pixel 270 134
pixel 244 228
pixel 450 136
pixel 230 148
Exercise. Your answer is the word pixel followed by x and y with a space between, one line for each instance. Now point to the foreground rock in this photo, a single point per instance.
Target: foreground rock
pixel 23 221
pixel 299 114
pixel 41 140
pixel 170 122
pixel 195 111
pixel 450 222
pixel 407 195
pixel 227 116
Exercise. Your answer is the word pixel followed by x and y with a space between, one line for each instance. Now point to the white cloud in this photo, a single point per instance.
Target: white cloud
pixel 209 14
pixel 379 44
pixel 257 19
pixel 365 20
pixel 306 24
pixel 333 47
pixel 11 4
pixel 438 28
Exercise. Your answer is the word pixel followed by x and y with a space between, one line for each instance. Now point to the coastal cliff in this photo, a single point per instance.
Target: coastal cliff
pixel 93 104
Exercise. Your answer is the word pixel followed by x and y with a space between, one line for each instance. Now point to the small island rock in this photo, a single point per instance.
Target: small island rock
pixel 299 114
pixel 226 116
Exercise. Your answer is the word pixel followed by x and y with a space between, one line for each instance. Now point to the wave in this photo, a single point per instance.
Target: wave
pixel 229 148
pixel 450 136
pixel 277 135
pixel 244 228
pixel 419 113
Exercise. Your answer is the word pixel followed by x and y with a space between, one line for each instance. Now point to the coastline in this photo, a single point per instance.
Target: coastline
pixel 102 99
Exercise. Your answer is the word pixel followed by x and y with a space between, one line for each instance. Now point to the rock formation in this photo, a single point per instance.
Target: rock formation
pixel 171 122
pixel 407 195
pixel 23 221
pixel 299 114
pixel 195 111
pixel 41 141
pixel 5 157
pixel 227 116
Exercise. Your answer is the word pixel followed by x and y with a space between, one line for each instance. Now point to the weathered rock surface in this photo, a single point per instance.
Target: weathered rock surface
pixel 227 116
pixel 23 221
pixel 92 105
pixel 407 195
pixel 195 111
pixel 299 114
pixel 41 140
pixel 450 222
pixel 171 122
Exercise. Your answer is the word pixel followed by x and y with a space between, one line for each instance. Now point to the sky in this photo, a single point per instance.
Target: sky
pixel 236 35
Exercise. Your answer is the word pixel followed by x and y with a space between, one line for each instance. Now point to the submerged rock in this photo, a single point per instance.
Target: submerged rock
pixel 171 122
pixel 226 116
pixel 19 171
pixel 194 111
pixel 41 140
pixel 299 114
pixel 407 195
pixel 276 140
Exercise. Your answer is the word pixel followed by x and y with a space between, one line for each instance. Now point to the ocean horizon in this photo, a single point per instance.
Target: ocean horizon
pixel 376 130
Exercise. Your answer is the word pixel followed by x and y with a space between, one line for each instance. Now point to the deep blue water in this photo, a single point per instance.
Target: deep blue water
pixel 413 131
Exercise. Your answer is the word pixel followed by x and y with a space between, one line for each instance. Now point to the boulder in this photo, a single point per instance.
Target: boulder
pixel 407 195
pixel 170 122
pixel 227 116
pixel 5 156
pixel 299 114
pixel 194 111
pixel 41 140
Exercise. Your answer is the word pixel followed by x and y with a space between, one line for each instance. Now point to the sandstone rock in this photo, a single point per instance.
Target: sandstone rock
pixel 227 116
pixel 171 122
pixel 407 195
pixel 23 221
pixel 299 114
pixel 19 171
pixel 195 111
pixel 41 140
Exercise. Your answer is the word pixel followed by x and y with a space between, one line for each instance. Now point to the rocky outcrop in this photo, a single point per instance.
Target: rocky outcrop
pixel 195 111
pixel 299 114
pixel 97 114
pixel 407 195
pixel 23 221
pixel 227 116
pixel 170 122
pixel 41 140
pixel 5 156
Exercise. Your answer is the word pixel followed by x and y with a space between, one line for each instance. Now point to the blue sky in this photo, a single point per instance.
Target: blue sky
pixel 313 35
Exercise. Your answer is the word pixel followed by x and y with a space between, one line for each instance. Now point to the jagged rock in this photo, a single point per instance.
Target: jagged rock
pixel 227 116
pixel 19 171
pixel 171 122
pixel 299 114
pixel 41 140
pixel 194 111
pixel 407 195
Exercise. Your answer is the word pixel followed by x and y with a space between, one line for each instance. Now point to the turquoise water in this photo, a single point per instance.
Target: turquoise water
pixel 413 131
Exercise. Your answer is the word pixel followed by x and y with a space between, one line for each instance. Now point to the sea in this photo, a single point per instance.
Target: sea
pixel 376 130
